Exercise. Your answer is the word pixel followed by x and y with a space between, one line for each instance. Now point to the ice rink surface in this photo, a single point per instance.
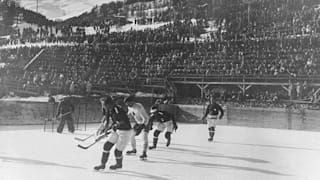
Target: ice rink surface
pixel 238 153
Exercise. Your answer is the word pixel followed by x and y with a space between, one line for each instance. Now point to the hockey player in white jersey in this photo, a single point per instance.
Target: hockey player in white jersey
pixel 137 112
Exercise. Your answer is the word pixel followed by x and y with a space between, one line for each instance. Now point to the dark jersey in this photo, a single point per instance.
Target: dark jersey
pixel 170 108
pixel 65 109
pixel 213 109
pixel 119 116
pixel 161 116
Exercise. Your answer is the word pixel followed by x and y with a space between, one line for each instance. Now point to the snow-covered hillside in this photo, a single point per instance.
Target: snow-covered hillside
pixel 62 9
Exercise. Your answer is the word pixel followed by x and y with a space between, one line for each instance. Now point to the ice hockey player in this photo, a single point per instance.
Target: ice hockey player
pixel 213 112
pixel 120 136
pixel 64 113
pixel 163 120
pixel 141 123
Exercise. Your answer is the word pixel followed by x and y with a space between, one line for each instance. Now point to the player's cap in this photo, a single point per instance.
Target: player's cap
pixel 129 99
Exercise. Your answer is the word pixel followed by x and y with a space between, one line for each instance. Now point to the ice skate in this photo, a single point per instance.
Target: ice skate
pixel 143 156
pixel 132 152
pixel 100 167
pixel 116 166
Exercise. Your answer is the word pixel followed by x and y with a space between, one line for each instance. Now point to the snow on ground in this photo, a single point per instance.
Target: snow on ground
pixel 28 153
pixel 137 27
pixel 62 9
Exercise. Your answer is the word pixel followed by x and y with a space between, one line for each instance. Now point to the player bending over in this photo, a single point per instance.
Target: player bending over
pixel 163 120
pixel 213 111
pixel 141 123
pixel 64 112
pixel 120 135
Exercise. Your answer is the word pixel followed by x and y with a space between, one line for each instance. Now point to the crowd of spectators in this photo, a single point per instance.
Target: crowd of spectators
pixel 295 56
pixel 268 18
pixel 280 39
pixel 13 61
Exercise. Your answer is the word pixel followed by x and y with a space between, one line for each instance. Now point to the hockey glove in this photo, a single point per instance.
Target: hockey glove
pixel 115 126
pixel 175 127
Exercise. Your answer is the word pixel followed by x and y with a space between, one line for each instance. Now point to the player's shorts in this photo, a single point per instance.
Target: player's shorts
pixel 121 138
pixel 211 120
pixel 138 128
pixel 165 125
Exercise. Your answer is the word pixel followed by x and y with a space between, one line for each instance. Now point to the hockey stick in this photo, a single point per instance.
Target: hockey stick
pixel 61 115
pixel 84 139
pixel 96 140
pixel 86 147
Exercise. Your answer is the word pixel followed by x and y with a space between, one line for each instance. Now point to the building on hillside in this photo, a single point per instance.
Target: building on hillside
pixel 147 11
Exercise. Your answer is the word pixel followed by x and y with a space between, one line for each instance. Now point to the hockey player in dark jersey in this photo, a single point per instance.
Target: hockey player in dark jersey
pixel 163 120
pixel 213 112
pixel 120 136
pixel 64 113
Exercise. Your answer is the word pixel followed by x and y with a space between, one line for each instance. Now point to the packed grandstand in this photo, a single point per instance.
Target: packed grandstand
pixel 240 51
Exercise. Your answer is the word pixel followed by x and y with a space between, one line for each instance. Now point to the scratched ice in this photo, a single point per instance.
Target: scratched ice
pixel 27 153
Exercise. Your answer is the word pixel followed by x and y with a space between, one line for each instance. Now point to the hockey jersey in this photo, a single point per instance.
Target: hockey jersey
pixel 161 116
pixel 120 117
pixel 214 109
pixel 139 113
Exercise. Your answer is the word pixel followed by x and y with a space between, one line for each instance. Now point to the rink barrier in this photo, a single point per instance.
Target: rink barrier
pixel 37 113
pixel 89 111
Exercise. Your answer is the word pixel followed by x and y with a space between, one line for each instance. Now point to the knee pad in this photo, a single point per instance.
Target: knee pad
pixel 212 129
pixel 167 135
pixel 156 133
pixel 117 153
pixel 107 146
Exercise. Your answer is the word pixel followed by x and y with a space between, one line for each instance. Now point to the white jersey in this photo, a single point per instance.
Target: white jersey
pixel 139 113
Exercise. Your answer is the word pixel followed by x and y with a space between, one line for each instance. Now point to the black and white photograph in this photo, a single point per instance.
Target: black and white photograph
pixel 159 89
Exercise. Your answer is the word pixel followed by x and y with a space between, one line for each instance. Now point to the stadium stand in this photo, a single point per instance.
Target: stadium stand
pixel 261 41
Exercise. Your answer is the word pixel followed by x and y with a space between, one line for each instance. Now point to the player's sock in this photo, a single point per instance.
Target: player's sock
pixel 155 139
pixel 105 155
pixel 119 158
pixel 168 137
pixel 155 142
pixel 104 159
pixel 211 133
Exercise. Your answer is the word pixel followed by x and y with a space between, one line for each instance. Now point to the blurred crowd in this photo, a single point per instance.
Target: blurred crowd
pixel 263 39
